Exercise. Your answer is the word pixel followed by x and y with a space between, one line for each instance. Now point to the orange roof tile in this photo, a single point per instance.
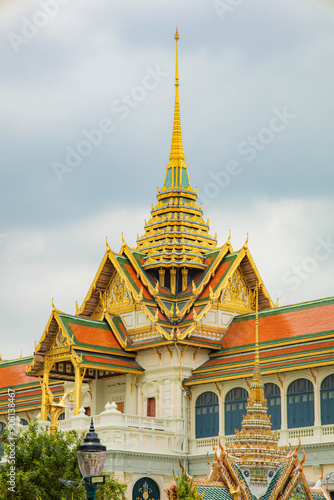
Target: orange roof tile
pixel 96 336
pixel 279 326
pixel 14 375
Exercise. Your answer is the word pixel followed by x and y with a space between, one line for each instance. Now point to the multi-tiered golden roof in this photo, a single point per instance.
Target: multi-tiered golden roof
pixel 176 236
pixel 256 445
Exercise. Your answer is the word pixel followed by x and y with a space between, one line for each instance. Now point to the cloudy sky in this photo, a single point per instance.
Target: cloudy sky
pixel 86 118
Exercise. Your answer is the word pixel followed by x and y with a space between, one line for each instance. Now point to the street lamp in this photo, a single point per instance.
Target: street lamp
pixel 91 458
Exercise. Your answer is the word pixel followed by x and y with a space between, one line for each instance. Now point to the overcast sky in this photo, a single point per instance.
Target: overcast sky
pixel 257 108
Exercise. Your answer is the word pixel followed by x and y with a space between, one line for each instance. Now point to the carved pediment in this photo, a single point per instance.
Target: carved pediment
pixel 61 340
pixel 237 293
pixel 115 299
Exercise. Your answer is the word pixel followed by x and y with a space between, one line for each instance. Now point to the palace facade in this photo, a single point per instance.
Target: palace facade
pixel 161 353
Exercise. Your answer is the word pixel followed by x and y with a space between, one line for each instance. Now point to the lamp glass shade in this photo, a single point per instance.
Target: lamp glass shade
pixel 91 454
pixel 91 463
pixel 71 404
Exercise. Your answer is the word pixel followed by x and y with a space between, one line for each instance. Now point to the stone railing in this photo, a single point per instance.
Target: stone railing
pixel 308 435
pixel 120 431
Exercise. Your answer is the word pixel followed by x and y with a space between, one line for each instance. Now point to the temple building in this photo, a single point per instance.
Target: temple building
pixel 161 352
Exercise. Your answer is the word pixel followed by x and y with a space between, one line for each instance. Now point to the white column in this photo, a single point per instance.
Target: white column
pixel 317 418
pixel 160 409
pixel 172 405
pixel 284 414
pixel 130 399
pixel 94 392
pixel 221 411
pixel 284 433
pixel 139 401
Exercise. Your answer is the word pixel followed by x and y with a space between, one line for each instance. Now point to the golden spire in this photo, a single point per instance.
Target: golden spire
pixel 261 452
pixel 176 152
pixel 171 235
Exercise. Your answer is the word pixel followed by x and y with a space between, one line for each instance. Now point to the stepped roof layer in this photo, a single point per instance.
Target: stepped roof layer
pixel 174 316
pixel 291 338
pixel 28 392
pixel 176 235
pixel 92 343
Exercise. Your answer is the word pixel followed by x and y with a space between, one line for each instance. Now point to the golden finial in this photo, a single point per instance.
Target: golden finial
pixel 0 358
pixel 300 465
pixel 177 59
pixel 35 346
pixel 176 152
pixel 246 243
pixel 54 309
pixel 123 239
pixel 20 354
pixel 107 244
pixel 229 237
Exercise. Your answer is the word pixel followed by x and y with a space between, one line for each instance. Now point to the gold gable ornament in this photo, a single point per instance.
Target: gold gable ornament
pixel 237 292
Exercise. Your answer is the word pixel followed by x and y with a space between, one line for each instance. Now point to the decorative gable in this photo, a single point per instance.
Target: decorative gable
pixel 298 492
pixel 61 340
pixel 115 299
pixel 237 294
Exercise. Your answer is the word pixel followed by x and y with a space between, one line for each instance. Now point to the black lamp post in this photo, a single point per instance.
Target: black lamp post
pixel 91 458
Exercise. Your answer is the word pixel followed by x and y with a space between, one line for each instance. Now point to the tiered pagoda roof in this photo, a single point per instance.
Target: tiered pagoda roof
pixel 176 235
pixel 256 447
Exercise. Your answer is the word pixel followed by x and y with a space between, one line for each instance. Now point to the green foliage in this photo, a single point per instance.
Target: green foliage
pixel 41 459
pixel 183 488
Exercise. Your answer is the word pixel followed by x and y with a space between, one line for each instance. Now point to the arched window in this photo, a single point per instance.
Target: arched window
pixel 207 415
pixel 273 395
pixel 145 489
pixel 24 421
pixel 235 408
pixel 327 400
pixel 300 399
pixel 62 416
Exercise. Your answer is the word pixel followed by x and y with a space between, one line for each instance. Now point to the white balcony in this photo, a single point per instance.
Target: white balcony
pixel 120 431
